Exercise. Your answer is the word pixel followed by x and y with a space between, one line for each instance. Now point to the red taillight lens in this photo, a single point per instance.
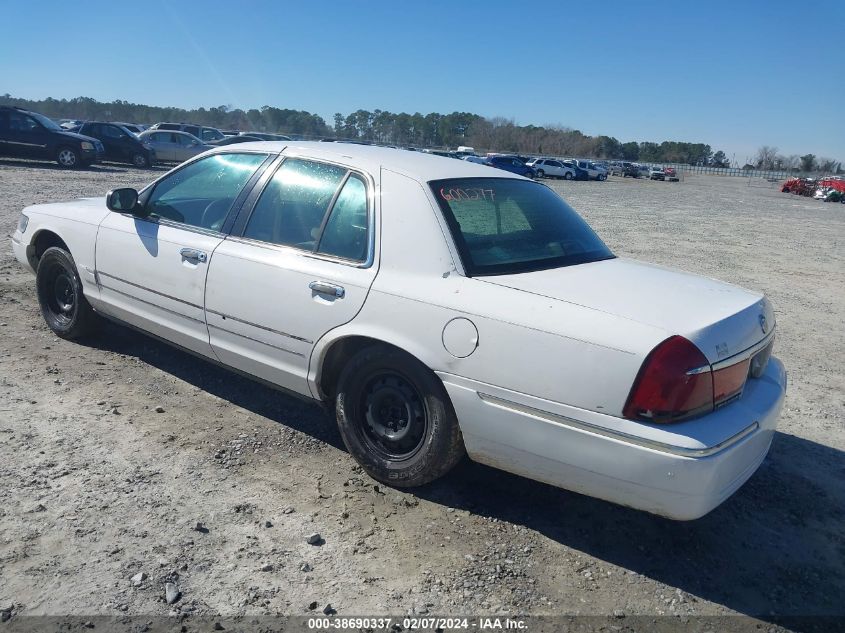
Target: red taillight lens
pixel 728 382
pixel 674 382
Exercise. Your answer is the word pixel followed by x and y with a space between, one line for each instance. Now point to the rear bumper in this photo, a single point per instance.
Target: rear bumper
pixel 678 479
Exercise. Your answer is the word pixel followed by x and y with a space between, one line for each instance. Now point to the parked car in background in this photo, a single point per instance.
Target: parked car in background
pixel 233 140
pixel 319 269
pixel 594 172
pixel 631 170
pixel 580 174
pixel 120 144
pixel 617 168
pixel 551 168
pixel 671 174
pixel 644 170
pixel 510 163
pixel 132 127
pixel 264 136
pixel 173 146
pixel 202 132
pixel 25 134
pixel 472 158
pixel 69 123
pixel 657 173
pixel 442 152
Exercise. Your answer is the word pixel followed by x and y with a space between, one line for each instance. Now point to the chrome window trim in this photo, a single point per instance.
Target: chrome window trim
pixel 621 436
pixel 369 183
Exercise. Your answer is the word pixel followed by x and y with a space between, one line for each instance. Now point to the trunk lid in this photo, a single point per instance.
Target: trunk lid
pixel 721 319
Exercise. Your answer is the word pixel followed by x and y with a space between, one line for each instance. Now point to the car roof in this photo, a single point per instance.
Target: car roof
pixel 371 158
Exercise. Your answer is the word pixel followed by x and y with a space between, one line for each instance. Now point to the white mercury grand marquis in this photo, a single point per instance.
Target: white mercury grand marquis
pixel 442 307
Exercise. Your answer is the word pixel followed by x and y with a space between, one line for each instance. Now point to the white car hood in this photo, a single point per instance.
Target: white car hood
pixel 87 210
pixel 720 318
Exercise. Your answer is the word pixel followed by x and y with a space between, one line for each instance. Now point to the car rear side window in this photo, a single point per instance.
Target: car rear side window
pixel 111 131
pixel 291 208
pixel 504 226
pixel 201 193
pixel 346 233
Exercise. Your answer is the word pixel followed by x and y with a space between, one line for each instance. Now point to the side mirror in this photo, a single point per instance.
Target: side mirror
pixel 122 200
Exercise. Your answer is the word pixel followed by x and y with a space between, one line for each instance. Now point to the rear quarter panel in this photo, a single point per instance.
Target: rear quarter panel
pixel 526 343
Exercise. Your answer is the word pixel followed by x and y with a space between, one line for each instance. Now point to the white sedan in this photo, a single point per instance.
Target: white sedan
pixel 440 307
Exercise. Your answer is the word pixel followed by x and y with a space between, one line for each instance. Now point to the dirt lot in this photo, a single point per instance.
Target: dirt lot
pixel 96 486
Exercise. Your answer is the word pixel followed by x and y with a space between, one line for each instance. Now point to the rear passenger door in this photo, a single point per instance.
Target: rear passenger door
pixel 300 262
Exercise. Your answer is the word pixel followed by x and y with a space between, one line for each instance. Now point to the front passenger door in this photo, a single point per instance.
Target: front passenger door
pixel 151 270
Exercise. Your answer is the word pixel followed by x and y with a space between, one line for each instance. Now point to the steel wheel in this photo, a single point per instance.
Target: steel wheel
pixel 67 157
pixel 393 416
pixel 541 173
pixel 60 299
pixel 63 304
pixel 139 160
pixel 568 175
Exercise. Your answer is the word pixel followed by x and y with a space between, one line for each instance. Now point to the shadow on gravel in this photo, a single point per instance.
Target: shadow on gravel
pixel 774 549
pixel 298 414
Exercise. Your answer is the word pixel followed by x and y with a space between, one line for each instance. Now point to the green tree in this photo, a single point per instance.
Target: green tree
pixel 631 150
pixel 720 160
pixel 808 162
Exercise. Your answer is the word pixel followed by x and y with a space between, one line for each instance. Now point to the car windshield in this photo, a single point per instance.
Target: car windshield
pixel 504 226
pixel 48 123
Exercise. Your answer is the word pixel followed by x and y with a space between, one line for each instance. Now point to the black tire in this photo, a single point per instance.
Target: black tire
pixel 541 173
pixel 68 158
pixel 568 175
pixel 63 304
pixel 396 419
pixel 140 159
pixel 602 177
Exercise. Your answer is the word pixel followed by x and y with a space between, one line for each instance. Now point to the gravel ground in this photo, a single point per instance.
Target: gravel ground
pixel 218 491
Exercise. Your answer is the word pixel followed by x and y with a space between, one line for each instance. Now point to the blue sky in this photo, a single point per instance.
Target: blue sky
pixel 736 75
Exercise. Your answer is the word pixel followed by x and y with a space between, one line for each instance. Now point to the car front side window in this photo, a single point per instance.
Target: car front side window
pixel 201 193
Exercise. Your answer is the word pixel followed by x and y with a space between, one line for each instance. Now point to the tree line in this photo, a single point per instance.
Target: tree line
pixel 769 158
pixel 416 130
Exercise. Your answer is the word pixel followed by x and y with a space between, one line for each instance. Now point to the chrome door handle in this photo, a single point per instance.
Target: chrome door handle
pixel 193 255
pixel 325 288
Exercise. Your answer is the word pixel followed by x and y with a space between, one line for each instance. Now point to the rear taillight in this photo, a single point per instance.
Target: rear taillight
pixel 675 382
pixel 728 382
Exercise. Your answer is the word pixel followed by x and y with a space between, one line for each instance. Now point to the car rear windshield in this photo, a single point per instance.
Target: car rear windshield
pixel 504 226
